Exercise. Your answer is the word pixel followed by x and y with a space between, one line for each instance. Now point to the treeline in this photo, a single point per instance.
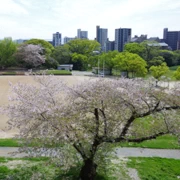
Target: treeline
pixel 137 58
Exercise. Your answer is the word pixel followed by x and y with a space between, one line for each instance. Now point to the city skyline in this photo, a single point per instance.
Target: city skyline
pixel 22 19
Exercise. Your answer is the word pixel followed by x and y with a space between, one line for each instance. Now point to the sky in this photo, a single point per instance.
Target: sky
pixel 26 19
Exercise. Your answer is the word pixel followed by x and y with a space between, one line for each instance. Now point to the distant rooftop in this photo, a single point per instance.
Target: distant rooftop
pixel 163 44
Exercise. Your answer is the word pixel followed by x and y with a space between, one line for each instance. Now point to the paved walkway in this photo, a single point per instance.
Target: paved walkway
pixel 121 152
pixel 145 152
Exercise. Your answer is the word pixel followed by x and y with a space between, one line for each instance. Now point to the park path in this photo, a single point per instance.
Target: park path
pixel 120 152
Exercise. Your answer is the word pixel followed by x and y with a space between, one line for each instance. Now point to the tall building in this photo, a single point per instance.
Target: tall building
pixel 67 39
pixel 172 38
pixel 56 39
pixel 102 37
pixel 109 45
pixel 82 34
pixel 165 33
pixel 122 36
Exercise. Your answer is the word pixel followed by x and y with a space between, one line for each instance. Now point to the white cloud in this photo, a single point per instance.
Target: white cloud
pixel 9 7
pixel 42 18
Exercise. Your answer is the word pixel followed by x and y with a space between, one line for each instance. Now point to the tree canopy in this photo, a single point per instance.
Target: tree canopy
pixel 129 62
pixel 89 115
pixel 135 48
pixel 106 60
pixel 7 50
pixel 177 74
pixel 46 45
pixel 81 50
pixel 83 46
pixel 156 61
pixel 30 55
pixel 158 71
pixel 169 57
pixel 62 54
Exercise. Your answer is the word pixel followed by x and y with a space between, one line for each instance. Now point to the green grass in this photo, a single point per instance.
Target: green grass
pixel 43 169
pixel 163 142
pixel 59 72
pixel 156 168
pixel 26 168
pixel 8 73
pixel 9 143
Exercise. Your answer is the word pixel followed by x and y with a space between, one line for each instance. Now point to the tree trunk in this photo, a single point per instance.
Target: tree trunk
pixel 88 170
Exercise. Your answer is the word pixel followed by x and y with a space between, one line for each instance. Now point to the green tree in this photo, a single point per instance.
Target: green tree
pixel 177 56
pixel 130 62
pixel 135 48
pixel 81 50
pixel 106 60
pixel 156 61
pixel 7 50
pixel 62 54
pixel 158 71
pixel 177 74
pixel 169 57
pixel 80 60
pixel 151 50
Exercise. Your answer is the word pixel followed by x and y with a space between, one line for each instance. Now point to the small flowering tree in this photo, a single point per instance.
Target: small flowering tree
pixel 89 115
pixel 31 55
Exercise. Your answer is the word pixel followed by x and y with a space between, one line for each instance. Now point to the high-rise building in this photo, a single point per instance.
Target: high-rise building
pixel 82 34
pixel 122 36
pixel 102 37
pixel 165 33
pixel 67 39
pixel 109 45
pixel 172 38
pixel 57 39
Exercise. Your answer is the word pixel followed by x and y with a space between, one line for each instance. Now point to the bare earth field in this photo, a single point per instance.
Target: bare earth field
pixel 5 92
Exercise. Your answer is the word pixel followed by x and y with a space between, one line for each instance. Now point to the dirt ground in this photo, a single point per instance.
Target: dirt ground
pixel 5 92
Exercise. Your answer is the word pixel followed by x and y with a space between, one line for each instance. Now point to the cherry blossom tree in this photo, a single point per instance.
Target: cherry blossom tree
pixel 31 55
pixel 87 116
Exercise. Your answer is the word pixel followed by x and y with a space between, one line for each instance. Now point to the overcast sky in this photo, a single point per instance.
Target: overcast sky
pixel 27 19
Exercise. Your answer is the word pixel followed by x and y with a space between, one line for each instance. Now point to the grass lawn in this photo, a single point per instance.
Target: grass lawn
pixel 163 142
pixel 9 142
pixel 27 168
pixel 59 72
pixel 155 168
pixel 8 73
pixel 54 72
pixel 45 169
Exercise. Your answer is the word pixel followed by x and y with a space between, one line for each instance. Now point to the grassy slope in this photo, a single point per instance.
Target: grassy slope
pixel 156 168
pixel 25 168
pixel 163 142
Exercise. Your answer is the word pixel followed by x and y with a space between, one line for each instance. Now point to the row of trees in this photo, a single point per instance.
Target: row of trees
pixel 36 53
pixel 137 58
pixel 153 54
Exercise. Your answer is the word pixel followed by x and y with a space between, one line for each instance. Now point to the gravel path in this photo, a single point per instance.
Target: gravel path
pixel 121 152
